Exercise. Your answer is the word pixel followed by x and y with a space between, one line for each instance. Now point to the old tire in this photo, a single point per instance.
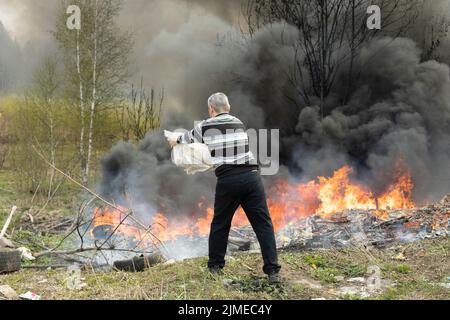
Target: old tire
pixel 10 260
pixel 139 264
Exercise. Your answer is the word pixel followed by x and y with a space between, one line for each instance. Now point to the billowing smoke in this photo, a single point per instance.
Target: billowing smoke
pixel 11 62
pixel 143 177
pixel 399 111
pixel 145 173
pixel 30 23
pixel 24 40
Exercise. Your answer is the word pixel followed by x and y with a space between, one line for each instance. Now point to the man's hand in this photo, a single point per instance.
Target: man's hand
pixel 172 137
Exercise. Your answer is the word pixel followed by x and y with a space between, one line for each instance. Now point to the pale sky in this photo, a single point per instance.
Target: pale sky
pixel 173 38
pixel 9 15
pixel 28 19
pixel 33 19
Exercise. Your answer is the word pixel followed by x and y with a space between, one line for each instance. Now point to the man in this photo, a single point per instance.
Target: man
pixel 239 184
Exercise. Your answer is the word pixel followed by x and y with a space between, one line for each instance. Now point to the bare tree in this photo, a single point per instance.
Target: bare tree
pixel 42 118
pixel 5 136
pixel 431 29
pixel 330 34
pixel 141 114
pixel 46 87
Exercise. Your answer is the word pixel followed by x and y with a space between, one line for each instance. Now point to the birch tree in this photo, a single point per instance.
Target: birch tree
pixel 94 93
pixel 96 62
pixel 81 102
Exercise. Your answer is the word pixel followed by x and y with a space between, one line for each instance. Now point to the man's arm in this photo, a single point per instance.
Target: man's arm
pixel 193 136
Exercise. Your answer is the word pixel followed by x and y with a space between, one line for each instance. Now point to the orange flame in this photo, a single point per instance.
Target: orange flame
pixel 117 220
pixel 288 203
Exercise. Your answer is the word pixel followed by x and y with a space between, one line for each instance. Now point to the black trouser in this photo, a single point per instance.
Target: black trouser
pixel 246 190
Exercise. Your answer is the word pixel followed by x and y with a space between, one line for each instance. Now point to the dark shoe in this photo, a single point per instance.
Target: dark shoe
pixel 215 270
pixel 274 278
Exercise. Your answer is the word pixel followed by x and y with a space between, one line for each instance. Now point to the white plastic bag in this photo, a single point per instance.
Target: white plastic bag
pixel 172 135
pixel 192 158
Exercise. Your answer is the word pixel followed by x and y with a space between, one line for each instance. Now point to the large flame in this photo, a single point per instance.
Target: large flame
pixel 288 203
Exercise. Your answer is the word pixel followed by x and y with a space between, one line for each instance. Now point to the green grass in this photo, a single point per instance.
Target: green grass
pixel 416 289
pixel 243 279
pixel 403 268
pixel 316 261
pixel 396 268
pixel 354 270
pixel 325 275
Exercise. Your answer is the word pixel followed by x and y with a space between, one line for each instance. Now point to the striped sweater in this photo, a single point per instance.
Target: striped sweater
pixel 228 142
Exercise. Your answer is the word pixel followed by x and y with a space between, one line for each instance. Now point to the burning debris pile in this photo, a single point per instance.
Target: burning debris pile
pixel 360 228
pixel 369 228
pixel 398 109
pixel 332 212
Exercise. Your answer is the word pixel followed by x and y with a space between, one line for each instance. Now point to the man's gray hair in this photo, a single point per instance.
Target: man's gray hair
pixel 219 102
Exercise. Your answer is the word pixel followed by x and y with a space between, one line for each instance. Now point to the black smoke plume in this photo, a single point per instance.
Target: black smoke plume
pixel 398 111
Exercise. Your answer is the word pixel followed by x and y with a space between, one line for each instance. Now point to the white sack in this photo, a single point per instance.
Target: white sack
pixel 172 135
pixel 192 158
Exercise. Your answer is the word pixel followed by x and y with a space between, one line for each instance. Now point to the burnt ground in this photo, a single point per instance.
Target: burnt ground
pixel 418 270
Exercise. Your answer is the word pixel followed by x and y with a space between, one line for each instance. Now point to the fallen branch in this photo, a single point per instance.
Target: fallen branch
pixel 76 182
pixel 8 221
pixel 6 191
pixel 110 204
pixel 45 267
pixel 82 250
